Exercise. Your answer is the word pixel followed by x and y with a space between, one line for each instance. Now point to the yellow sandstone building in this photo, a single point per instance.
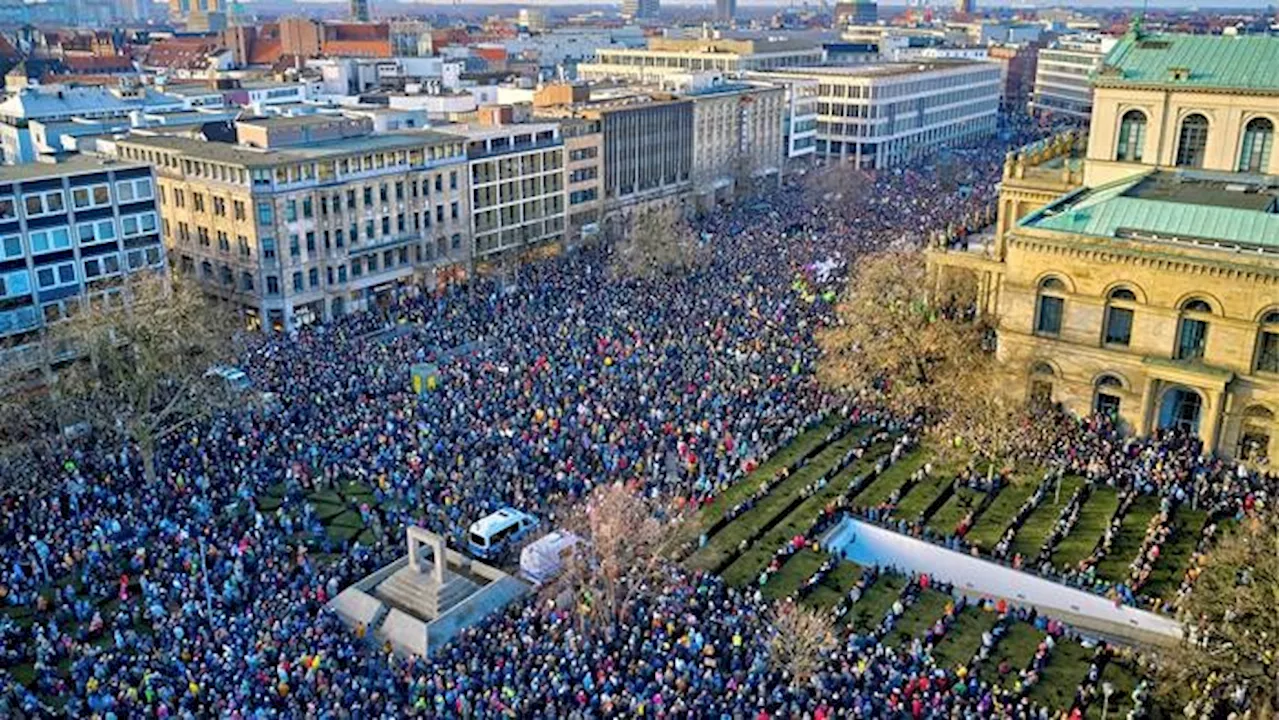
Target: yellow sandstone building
pixel 1136 274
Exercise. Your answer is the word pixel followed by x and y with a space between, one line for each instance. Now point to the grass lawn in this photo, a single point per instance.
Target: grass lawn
pixel 922 614
pixel 798 521
pixel 875 602
pixel 1114 566
pixel 834 586
pixel 798 568
pixel 1068 665
pixel 990 526
pixel 1038 526
pixel 1175 555
pixel 964 638
pixel 1121 701
pixel 1017 646
pixel 724 543
pixel 945 520
pixel 740 491
pixel 891 479
pixel 922 495
pixel 1095 515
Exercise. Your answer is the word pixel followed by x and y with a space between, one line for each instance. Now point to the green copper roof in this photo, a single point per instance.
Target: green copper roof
pixel 1240 62
pixel 1169 206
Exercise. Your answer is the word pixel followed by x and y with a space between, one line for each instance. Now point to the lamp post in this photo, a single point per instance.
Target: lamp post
pixel 1107 690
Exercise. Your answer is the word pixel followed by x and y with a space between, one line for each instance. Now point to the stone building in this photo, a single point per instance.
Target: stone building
pixel 1138 276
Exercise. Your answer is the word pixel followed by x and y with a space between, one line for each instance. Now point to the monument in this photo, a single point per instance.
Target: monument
pixel 424 599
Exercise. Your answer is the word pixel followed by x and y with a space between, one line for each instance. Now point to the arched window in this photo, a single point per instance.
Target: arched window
pixel 1193 329
pixel 1255 148
pixel 1192 138
pixel 1266 359
pixel 1041 393
pixel 1106 399
pixel 1118 327
pixel 1133 133
pixel 1049 305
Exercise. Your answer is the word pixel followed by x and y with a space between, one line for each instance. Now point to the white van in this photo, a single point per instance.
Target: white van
pixel 488 535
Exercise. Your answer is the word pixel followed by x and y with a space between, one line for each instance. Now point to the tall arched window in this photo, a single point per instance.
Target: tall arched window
pixel 1041 393
pixel 1049 305
pixel 1267 357
pixel 1133 133
pixel 1119 319
pixel 1193 329
pixel 1255 148
pixel 1192 138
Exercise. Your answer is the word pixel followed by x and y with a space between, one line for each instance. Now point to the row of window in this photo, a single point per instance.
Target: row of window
pixel 59 238
pixel 1193 324
pixel 1193 138
pixel 53 202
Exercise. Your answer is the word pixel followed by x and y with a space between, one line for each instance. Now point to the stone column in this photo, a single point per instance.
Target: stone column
pixel 1148 398
pixel 1210 426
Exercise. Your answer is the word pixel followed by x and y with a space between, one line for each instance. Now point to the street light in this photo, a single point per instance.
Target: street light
pixel 1107 690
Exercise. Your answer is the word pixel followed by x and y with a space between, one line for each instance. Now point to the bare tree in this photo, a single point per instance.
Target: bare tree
pixel 143 360
pixel 894 344
pixel 799 639
pixel 1230 617
pixel 626 543
pixel 657 241
pixel 836 186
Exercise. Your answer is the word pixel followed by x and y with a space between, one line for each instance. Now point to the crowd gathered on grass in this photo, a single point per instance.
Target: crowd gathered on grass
pixel 201 593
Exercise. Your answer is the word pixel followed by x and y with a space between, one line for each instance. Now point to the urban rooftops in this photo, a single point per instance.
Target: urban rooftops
pixel 73 165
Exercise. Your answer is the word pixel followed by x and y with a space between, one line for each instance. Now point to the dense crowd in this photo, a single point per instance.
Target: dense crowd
pixel 182 597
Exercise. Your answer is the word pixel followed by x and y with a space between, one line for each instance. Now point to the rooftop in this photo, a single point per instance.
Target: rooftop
pixel 74 165
pixel 1239 62
pixel 1204 208
pixel 255 157
pixel 878 70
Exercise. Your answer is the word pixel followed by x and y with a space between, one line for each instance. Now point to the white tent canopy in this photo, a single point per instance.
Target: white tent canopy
pixel 542 559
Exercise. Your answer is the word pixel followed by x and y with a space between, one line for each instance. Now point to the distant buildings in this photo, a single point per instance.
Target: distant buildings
pixel 1017 73
pixel 67 231
pixel 863 12
pixel 1062 84
pixel 359 10
pixel 199 15
pixel 886 114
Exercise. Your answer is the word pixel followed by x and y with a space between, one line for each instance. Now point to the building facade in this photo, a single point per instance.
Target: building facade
pixel 303 219
pixel 1146 289
pixel 584 174
pixel 726 11
pixel 699 55
pixel 640 9
pixel 883 115
pixel 737 137
pixel 68 232
pixel 1063 71
pixel 1017 73
pixel 517 185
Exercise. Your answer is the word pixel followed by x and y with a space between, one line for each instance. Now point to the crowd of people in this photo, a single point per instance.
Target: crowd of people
pixel 183 597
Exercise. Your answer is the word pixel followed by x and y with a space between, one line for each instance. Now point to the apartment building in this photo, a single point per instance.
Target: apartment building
pixel 800 120
pixel 308 218
pixel 881 115
pixel 517 187
pixel 67 230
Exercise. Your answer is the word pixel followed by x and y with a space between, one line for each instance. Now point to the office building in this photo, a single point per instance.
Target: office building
pixel 855 13
pixel 726 11
pixel 881 115
pixel 584 172
pixel 639 9
pixel 67 231
pixel 517 188
pixel 199 16
pixel 737 137
pixel 966 7
pixel 360 10
pixel 1017 73
pixel 308 218
pixel 1063 69
pixel 800 115
pixel 1146 287
pixel 666 55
